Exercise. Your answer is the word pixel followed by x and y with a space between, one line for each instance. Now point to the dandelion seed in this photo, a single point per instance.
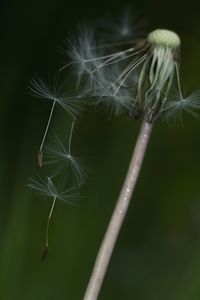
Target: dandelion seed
pixel 80 52
pixel 73 105
pixel 57 153
pixel 175 108
pixel 48 189
pixel 126 27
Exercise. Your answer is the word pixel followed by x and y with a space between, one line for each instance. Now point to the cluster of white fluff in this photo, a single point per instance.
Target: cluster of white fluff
pixel 127 71
pixel 121 69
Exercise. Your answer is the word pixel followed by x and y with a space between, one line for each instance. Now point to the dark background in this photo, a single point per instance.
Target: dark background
pixel 158 252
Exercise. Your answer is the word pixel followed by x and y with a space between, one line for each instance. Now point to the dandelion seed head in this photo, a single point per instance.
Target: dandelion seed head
pixel 136 79
pixel 127 71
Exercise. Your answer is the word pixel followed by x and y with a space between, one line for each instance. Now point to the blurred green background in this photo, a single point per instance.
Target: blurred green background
pixel 158 252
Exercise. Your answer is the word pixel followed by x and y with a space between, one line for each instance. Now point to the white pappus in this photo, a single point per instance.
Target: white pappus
pixel 136 75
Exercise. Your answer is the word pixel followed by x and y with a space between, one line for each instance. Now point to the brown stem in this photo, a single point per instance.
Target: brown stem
pixel 112 232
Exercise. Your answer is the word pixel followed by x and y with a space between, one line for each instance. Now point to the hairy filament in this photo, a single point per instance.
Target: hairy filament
pixel 40 152
pixel 45 252
pixel 130 71
pixel 94 59
pixel 70 138
pixel 126 71
pixel 104 46
pixel 110 55
pixel 178 81
pixel 114 61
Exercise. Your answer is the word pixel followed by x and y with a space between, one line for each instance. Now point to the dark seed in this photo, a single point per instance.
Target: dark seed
pixel 44 254
pixel 40 158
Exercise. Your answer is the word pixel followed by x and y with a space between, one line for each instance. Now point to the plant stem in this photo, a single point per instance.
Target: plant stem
pixel 112 232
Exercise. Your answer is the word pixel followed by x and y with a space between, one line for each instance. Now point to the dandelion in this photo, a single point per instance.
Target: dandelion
pixel 132 73
pixel 135 77
pixel 72 104
pixel 47 188
pixel 57 153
